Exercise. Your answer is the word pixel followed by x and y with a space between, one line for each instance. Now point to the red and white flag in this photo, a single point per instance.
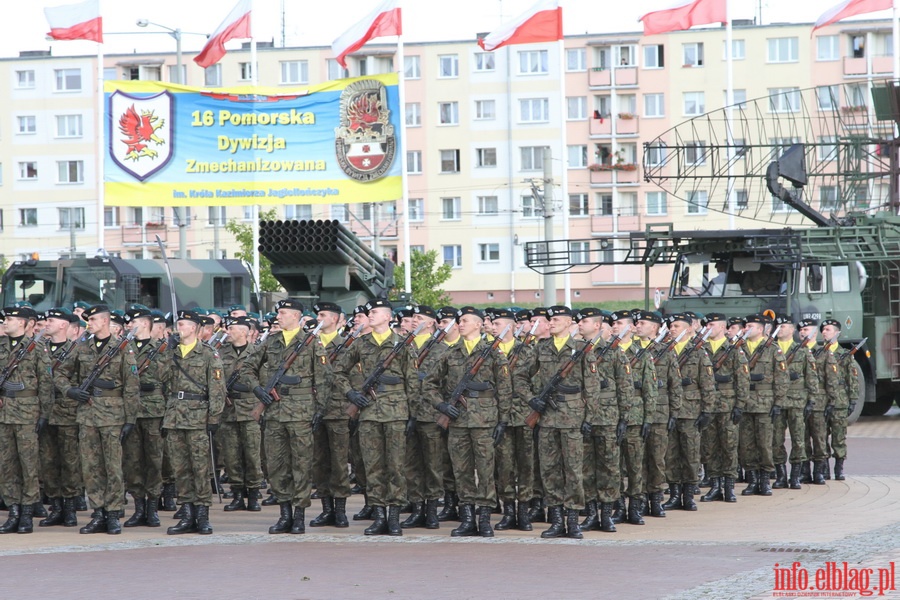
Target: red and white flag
pixel 684 16
pixel 80 21
pixel 541 23
pixel 848 8
pixel 236 26
pixel 383 21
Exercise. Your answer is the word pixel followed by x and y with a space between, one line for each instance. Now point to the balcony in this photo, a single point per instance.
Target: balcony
pixel 604 224
pixel 602 77
pixel 626 124
pixel 854 66
pixel 624 173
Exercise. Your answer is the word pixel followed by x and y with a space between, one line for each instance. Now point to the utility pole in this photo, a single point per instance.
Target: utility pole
pixel 546 199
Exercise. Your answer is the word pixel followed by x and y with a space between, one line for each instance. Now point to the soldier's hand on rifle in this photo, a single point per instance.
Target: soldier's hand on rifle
pixel 448 409
pixel 829 412
pixel 78 394
pixel 497 434
pixel 621 427
pixel 736 415
pixel 586 429
pixel 537 405
pixel 645 431
pixel 357 398
pixel 775 412
pixel 317 421
pixel 702 421
pixel 40 425
pixel 212 428
pixel 808 409
pixel 127 428
pixel 670 425
pixel 410 429
pixel 262 395
pixel 851 408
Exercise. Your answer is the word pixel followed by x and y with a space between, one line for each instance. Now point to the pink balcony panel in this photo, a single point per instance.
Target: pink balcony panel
pixel 598 77
pixel 601 126
pixel 854 66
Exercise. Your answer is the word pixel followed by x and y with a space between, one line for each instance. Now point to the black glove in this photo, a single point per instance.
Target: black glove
pixel 212 428
pixel 497 434
pixel 807 410
pixel 317 421
pixel 357 398
pixel 148 387
pixel 736 415
pixel 40 425
pixel 645 431
pixel 354 426
pixel 670 425
pixel 621 427
pixel 702 421
pixel 829 412
pixel 410 429
pixel 448 409
pixel 126 429
pixel 851 408
pixel 262 395
pixel 78 394
pixel 537 405
pixel 775 412
pixel 586 429
pixel 163 432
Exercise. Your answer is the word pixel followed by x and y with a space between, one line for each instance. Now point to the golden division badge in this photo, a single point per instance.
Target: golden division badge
pixel 217 374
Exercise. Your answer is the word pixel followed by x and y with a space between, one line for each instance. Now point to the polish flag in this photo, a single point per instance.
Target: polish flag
pixel 848 8
pixel 383 21
pixel 80 21
pixel 541 23
pixel 236 26
pixel 684 16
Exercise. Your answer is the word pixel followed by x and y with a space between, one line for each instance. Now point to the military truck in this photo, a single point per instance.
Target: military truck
pixel 117 282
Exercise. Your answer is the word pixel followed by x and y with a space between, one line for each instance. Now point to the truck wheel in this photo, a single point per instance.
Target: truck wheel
pixel 879 407
pixel 861 401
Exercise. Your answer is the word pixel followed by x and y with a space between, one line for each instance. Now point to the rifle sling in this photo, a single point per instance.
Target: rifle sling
pixel 177 360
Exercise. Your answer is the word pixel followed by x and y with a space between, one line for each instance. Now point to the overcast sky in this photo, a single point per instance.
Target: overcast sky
pixel 315 22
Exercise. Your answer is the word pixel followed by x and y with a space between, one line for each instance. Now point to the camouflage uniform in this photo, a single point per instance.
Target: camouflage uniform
pixel 60 459
pixel 668 403
pixel 732 387
pixel 239 431
pixel 769 382
pixel 143 448
pixel 848 393
pixel 647 393
pixel 515 454
pixel 804 387
pixel 828 394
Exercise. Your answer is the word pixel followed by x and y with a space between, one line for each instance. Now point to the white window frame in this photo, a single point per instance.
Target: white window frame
pixel 111 215
pixel 582 205
pixel 695 153
pixel 25 79
pixel 483 62
pixel 738 50
pixel 531 158
pixel 212 76
pixel 533 62
pixel 62 76
pixel 658 103
pixel 576 108
pixel 448 113
pixel 26 125
pixel 454 158
pixel 65 166
pixel 580 252
pixel 576 60
pixel 489 252
pixel 697 203
pixel 335 71
pixel 483 158
pixel 28 217
pixel 485 110
pixel 487 205
pixel 534 110
pixel 412 67
pixel 222 215
pixel 448 66
pixel 455 260
pixel 654 56
pixel 414 162
pixel 577 156
pixel 77 212
pixel 782 50
pixel 416 210
pixel 784 100
pixel 659 203
pixel 695 99
pixel 24 170
pixel 294 72
pixel 831 93
pixel 245 71
pixel 413 114
pixel 692 54
pixel 63 126
pixel 455 205
pixel 298 212
pixel 531 208
pixel 828 48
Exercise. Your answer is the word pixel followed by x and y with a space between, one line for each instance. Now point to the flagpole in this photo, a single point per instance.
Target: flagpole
pixel 895 41
pixel 254 81
pixel 101 168
pixel 567 282
pixel 729 111
pixel 401 91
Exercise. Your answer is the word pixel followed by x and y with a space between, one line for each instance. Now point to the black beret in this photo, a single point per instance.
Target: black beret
pixel 404 311
pixel 831 322
pixel 190 315
pixel 60 313
pixel 117 316
pixel 468 310
pixel 690 314
pixel 715 316
pixel 489 312
pixel 783 320
pixel 291 303
pixel 671 318
pixel 425 311
pixel 648 315
pixel 586 313
pixel 329 306
pixel 540 311
pixel 158 317
pixel 81 304
pixel 137 313
pixel 245 321
pixel 503 313
pixel 807 323
pixel 523 315
pixel 40 316
pixel 235 307
pixel 446 312
pixel 736 321
pixel 359 310
pixel 94 310
pixel 559 311
pixel 378 303
pixel 755 319
pixel 621 314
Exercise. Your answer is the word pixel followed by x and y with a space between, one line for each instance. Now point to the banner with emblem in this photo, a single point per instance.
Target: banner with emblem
pixel 174 145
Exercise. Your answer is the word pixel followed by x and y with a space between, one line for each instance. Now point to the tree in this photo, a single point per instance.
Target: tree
pixel 427 278
pixel 243 235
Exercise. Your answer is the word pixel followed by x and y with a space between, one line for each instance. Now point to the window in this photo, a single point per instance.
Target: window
pixel 485 157
pixel 741 199
pixel 654 56
pixel 416 210
pixel 739 97
pixel 784 100
pixel 177 213
pixel 628 204
pixel 212 76
pixel 856 94
pixel 782 50
pixel 28 217
pixel 484 61
pixel 579 253
pixel 485 110
pixel 68 126
pixel 827 97
pixel 25 80
pixel 70 171
pixel 173 74
pixel 411 67
pixel 530 208
pixel 488 205
pixel 135 216
pixel 448 113
pixel 294 71
pixel 604 205
pixel 655 155
pixel 489 252
pixel 28 170
pixel 413 114
pixel 247 213
pixel 533 62
pixel 654 105
pixel 340 212
pixel 694 103
pixel 828 198
pixel 578 205
pixel 602 107
pixel 578 156
pixel 532 158
pixel 534 110
pixel 448 65
pixel 449 161
pixel 576 107
pixel 111 216
pixel 414 162
pixel 336 71
pixel 27 124
pixel 626 56
pixel 738 50
pixel 697 201
pixel 828 47
pixel 778 206
pixel 452 256
pixel 656 203
pixel 693 54
pixel 217 214
pixel 245 71
pixel 68 80
pixel 71 218
pixel 450 209
pixel 695 153
pixel 576 59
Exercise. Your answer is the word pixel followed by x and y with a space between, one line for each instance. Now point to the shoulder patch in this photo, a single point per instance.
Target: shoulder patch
pixel 627 369
pixel 217 374
pixel 323 360
pixel 746 368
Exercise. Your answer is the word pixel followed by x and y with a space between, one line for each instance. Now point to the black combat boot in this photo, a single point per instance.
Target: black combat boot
pixel 252 495
pixel 674 500
pixel 152 514
pixel 97 524
pixel 826 469
pixel 620 513
pixel 606 522
pixel 326 517
pixel 393 521
pixel 365 513
pixel 484 522
pixel 781 482
pixel 203 526
pixel 508 520
pixel 839 469
pixel 113 527
pixel 450 512
pixel 715 490
pixel 536 512
pixel 764 488
pixel 705 480
pixel 634 510
pixel 38 510
pixel 557 527
pixel 140 514
pixel 299 524
pixel 687 497
pixel 56 514
pixel 379 522
pixel 168 497
pixel 728 490
pixel 466 522
pixel 818 477
pixel 593 520
pixel 752 483
pixel 416 518
pixel 237 501
pixel 656 509
pixel 179 514
pixel 794 481
pixel 340 513
pixel 285 520
pixel 270 500
pixel 187 524
pixel 70 516
pixel 573 530
pixel 806 472
pixel 26 520
pixel 522 519
pixel 81 503
pixel 431 517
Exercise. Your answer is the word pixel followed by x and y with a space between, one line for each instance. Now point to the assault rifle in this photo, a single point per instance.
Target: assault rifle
pixel 262 338
pixel 792 353
pixel 62 356
pixel 852 350
pixel 145 364
pixel 736 342
pixel 671 344
pixel 546 394
pixel 825 344
pixel 87 385
pixel 217 340
pixel 276 377
pixel 345 344
pixel 757 354
pixel 371 382
pixel 517 350
pixel 615 343
pixel 458 395
pixel 436 338
pixel 640 353
pixel 17 357
pixel 701 339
